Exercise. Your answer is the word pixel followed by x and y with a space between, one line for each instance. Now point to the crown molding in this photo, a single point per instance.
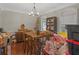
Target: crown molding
pixel 56 9
pixel 22 12
pixel 7 9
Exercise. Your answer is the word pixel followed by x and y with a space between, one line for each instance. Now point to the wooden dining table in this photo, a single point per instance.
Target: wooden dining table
pixel 33 43
pixel 30 46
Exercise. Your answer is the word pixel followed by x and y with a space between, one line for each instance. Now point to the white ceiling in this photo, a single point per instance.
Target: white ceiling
pixel 41 7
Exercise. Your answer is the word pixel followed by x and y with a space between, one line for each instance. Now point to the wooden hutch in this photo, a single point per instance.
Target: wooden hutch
pixel 51 24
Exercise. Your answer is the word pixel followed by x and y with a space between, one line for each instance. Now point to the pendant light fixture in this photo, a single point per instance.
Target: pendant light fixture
pixel 34 11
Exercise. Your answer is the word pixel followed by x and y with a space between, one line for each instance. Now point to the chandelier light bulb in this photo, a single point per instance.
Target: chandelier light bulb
pixel 31 12
pixel 37 13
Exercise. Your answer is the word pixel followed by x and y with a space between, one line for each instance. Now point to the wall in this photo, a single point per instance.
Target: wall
pixel 64 16
pixel 12 20
pixel 0 19
pixel 78 15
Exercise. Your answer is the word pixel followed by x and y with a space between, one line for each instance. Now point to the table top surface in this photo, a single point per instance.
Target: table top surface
pixel 32 34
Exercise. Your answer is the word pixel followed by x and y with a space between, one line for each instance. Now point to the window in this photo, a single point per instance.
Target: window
pixel 43 25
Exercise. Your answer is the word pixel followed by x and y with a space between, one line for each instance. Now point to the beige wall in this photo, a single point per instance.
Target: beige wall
pixel 12 20
pixel 64 16
pixel 0 19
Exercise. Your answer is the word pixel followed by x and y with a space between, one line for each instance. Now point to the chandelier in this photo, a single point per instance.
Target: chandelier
pixel 33 12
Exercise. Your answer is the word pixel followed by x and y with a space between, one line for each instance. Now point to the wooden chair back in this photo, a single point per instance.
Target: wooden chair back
pixel 20 36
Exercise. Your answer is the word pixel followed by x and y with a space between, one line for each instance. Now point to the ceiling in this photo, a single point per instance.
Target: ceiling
pixel 42 8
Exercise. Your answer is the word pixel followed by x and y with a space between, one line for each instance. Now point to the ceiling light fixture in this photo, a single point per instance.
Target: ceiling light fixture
pixel 34 12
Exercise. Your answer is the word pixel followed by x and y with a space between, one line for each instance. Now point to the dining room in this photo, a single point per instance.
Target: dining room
pixel 39 28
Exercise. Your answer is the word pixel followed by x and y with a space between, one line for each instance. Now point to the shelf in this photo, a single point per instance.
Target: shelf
pixel 51 24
